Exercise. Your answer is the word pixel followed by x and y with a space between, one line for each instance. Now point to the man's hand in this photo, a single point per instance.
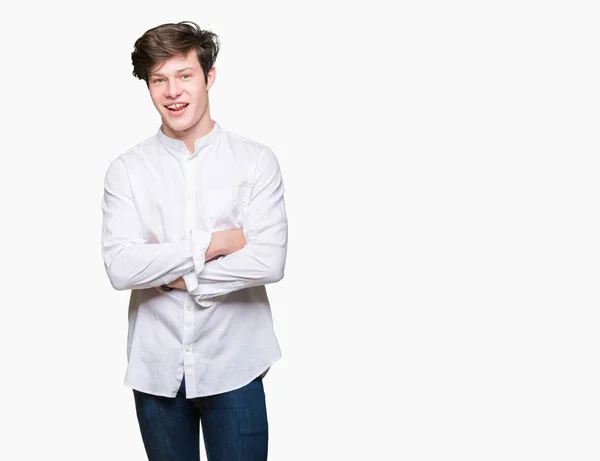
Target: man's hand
pixel 225 242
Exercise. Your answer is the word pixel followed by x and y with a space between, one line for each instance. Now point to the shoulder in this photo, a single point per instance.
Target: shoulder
pixel 120 165
pixel 246 146
pixel 139 151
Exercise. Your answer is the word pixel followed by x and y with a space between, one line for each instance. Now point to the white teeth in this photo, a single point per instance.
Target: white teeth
pixel 175 106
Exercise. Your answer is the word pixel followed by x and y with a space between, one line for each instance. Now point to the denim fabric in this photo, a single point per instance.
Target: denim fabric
pixel 234 425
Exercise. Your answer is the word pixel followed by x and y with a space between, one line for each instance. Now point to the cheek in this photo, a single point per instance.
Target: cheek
pixel 155 100
pixel 202 99
pixel 199 93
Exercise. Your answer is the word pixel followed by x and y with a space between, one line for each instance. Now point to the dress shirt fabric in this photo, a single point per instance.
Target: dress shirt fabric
pixel 161 204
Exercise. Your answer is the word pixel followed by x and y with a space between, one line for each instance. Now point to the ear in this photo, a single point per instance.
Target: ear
pixel 210 77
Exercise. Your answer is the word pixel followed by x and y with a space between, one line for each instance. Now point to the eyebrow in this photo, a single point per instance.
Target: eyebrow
pixel 177 72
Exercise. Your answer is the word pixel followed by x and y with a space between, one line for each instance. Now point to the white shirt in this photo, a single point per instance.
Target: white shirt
pixel 160 205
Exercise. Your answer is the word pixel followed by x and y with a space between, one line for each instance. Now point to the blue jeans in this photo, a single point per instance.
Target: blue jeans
pixel 234 425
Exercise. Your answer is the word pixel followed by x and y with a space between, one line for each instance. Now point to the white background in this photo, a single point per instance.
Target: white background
pixel 441 169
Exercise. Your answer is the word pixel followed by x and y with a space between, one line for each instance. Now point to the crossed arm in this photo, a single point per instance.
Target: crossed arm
pixel 222 243
pixel 206 264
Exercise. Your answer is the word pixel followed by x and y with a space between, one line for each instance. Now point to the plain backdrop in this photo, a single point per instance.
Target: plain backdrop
pixel 441 163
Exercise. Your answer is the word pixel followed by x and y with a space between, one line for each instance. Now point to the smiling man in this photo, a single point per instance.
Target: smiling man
pixel 194 224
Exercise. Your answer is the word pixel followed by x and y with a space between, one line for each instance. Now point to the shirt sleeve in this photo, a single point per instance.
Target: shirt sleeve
pixel 130 262
pixel 264 223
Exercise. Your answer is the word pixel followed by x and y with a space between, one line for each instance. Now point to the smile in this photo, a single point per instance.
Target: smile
pixel 177 109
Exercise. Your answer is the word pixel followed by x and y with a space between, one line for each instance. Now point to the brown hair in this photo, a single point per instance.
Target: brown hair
pixel 168 40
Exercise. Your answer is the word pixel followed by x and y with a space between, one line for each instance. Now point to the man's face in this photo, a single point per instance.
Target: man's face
pixel 180 94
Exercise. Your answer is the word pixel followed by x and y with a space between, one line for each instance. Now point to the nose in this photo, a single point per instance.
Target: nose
pixel 173 89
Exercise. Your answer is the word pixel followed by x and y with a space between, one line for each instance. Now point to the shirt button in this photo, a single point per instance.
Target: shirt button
pixel 189 307
pixel 186 348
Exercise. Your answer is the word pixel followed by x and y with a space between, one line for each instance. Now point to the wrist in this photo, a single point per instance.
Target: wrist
pixel 217 247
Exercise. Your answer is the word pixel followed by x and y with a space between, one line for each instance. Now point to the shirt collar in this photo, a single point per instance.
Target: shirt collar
pixel 178 147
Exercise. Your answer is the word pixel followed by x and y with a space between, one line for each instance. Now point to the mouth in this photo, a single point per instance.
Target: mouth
pixel 178 108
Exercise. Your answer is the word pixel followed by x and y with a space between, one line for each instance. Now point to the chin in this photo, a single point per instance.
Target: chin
pixel 178 125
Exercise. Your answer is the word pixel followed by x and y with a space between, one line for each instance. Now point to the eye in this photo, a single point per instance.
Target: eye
pixel 158 80
pixel 186 76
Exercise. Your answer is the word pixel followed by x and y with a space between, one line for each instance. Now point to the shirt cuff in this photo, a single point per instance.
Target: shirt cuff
pixel 208 291
pixel 200 243
pixel 191 281
pixel 204 302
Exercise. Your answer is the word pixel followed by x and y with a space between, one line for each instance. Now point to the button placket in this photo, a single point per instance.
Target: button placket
pixel 190 216
pixel 189 195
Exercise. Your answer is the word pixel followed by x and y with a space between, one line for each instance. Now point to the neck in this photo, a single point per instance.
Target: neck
pixel 189 136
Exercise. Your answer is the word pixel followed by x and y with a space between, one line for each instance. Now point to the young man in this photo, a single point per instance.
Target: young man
pixel 194 224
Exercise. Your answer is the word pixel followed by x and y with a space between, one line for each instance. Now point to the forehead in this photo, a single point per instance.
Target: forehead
pixel 172 65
